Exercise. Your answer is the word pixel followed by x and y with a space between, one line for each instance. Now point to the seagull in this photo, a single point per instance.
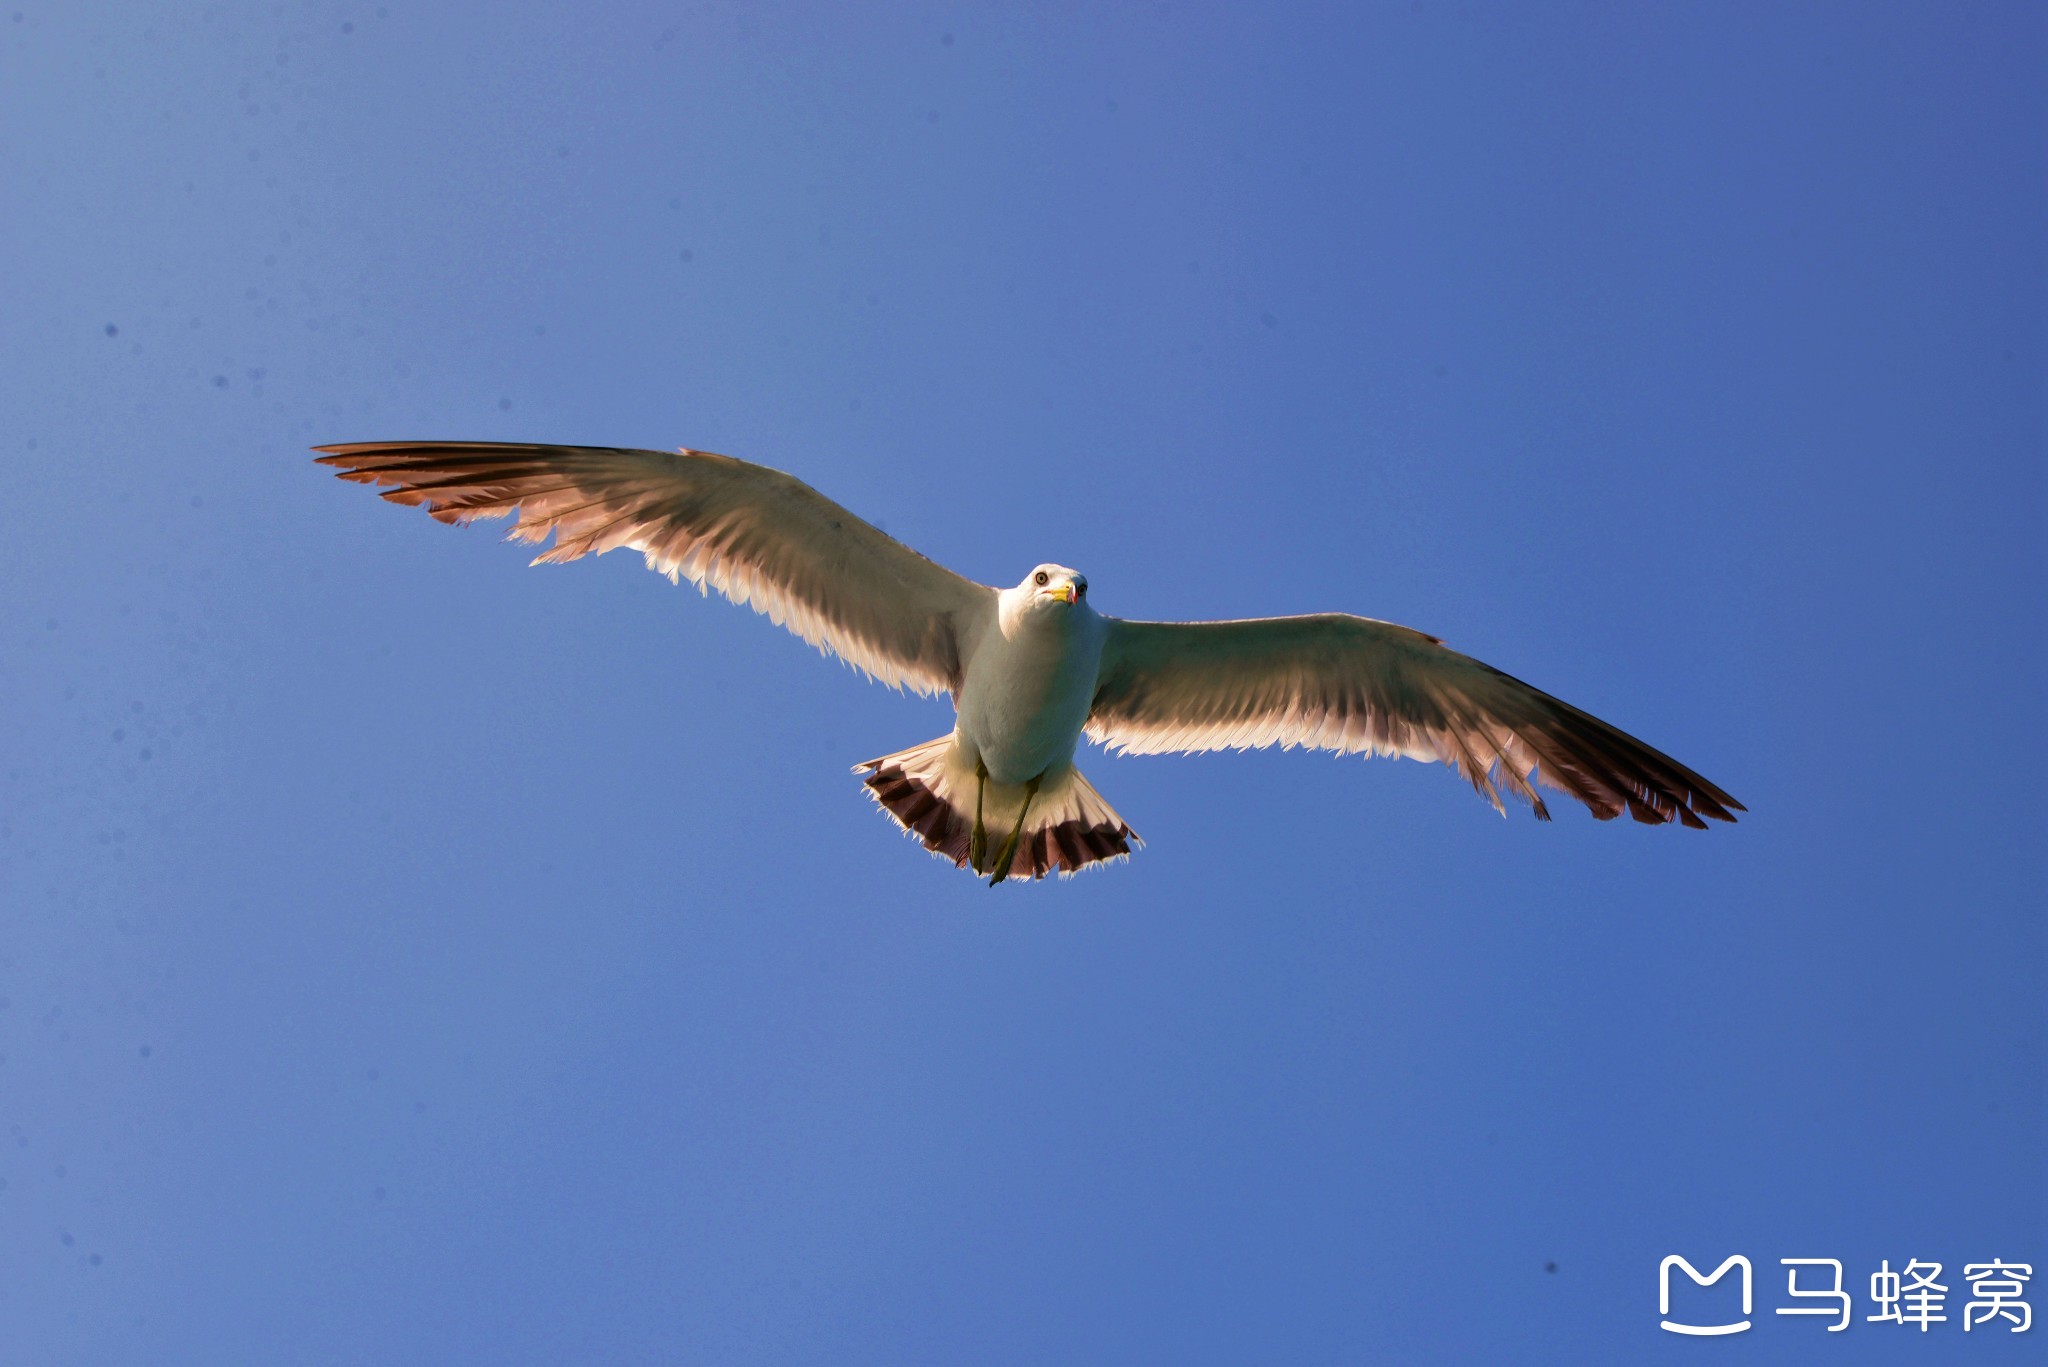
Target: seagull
pixel 1034 667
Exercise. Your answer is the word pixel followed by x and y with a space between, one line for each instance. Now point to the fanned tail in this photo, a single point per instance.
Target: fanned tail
pixel 929 790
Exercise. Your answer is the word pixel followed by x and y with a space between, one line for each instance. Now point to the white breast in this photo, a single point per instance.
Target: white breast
pixel 1028 686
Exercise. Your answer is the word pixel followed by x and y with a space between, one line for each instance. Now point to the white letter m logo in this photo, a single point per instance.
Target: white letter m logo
pixel 1703 1330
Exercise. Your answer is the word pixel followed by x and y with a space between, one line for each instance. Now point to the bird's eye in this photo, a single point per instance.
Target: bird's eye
pixel 1042 578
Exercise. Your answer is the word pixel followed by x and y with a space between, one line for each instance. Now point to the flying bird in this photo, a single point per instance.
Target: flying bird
pixel 1034 667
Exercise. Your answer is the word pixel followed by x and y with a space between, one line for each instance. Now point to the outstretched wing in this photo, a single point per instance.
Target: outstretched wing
pixel 756 535
pixel 1336 682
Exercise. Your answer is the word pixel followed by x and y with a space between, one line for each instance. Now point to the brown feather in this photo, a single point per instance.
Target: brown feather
pixel 1351 684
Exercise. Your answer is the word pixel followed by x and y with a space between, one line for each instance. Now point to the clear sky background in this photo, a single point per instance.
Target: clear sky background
pixel 407 956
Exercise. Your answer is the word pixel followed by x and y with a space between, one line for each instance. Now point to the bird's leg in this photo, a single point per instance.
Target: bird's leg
pixel 1008 852
pixel 977 848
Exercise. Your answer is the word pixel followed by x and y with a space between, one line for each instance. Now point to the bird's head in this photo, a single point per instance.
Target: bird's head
pixel 1053 585
pixel 1051 596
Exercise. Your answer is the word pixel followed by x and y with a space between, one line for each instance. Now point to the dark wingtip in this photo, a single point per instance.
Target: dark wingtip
pixel 1716 805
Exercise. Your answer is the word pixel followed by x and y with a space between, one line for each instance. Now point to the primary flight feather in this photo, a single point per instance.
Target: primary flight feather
pixel 1034 667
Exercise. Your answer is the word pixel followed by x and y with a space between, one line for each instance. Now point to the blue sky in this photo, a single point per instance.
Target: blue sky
pixel 409 956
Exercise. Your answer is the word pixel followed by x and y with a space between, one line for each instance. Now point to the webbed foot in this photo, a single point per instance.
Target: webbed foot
pixel 977 846
pixel 1008 853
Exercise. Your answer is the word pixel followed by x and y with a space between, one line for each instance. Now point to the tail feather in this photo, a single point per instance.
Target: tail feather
pixel 929 790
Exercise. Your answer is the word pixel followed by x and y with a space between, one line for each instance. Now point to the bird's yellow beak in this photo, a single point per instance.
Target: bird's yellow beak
pixel 1064 593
